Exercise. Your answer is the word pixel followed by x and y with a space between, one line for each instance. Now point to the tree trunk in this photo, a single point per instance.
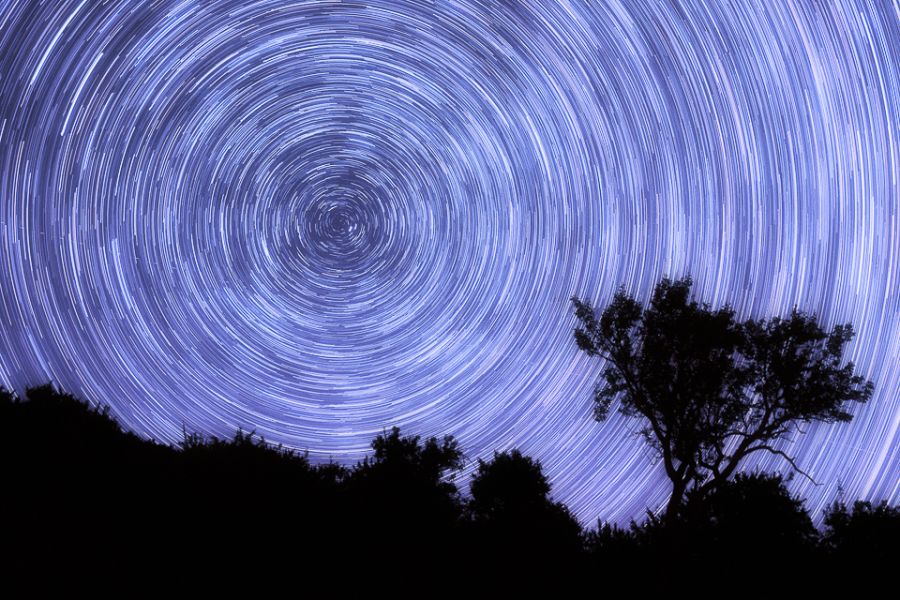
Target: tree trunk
pixel 675 501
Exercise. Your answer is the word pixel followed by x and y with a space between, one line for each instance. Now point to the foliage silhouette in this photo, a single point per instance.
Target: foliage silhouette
pixel 512 517
pixel 711 390
pixel 865 533
pixel 750 524
pixel 402 501
pixel 81 493
pixel 752 521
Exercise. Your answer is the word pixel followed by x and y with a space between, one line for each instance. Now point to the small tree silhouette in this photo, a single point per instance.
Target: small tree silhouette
pixel 403 499
pixel 513 517
pixel 508 484
pixel 711 390
pixel 864 533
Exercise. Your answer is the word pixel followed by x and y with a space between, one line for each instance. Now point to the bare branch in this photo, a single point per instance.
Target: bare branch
pixel 782 454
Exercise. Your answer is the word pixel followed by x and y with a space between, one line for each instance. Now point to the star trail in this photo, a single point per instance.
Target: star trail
pixel 321 219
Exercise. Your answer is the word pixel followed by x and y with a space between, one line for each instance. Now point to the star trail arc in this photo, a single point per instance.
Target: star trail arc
pixel 320 219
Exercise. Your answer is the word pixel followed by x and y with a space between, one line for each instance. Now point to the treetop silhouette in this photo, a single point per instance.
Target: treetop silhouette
pixel 712 390
pixel 83 491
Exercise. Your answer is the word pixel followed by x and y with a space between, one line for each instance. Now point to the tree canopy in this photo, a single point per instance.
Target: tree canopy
pixel 512 516
pixel 710 389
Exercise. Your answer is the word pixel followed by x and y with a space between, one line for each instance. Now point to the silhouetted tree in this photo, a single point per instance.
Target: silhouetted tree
pixel 864 533
pixel 84 499
pixel 513 518
pixel 404 504
pixel 405 459
pixel 510 483
pixel 712 390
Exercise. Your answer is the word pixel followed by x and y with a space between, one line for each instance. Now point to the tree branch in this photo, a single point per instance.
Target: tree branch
pixel 785 457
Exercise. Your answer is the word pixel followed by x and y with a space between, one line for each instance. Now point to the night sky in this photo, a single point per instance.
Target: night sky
pixel 321 219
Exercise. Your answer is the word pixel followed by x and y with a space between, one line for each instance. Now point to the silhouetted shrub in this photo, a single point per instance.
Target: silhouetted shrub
pixel 865 533
pixel 79 492
pixel 750 519
pixel 402 503
pixel 513 520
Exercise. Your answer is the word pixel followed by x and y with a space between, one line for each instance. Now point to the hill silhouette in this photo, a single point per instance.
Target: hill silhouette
pixel 85 500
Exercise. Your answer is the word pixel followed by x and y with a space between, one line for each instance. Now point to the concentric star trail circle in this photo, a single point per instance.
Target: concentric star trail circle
pixel 321 219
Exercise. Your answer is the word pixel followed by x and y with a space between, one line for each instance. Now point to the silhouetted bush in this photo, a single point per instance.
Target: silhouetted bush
pixel 403 508
pixel 750 518
pixel 85 499
pixel 513 520
pixel 864 533
pixel 749 525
